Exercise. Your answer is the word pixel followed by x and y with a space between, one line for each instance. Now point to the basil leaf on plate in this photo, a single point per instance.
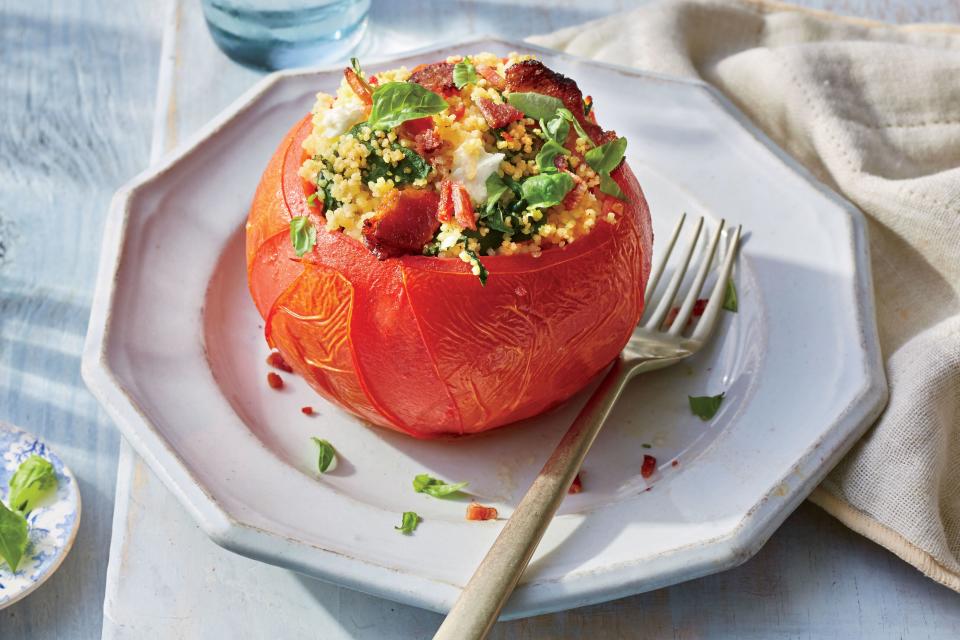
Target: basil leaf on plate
pixel 33 481
pixel 705 407
pixel 546 190
pixel 302 234
pixel 425 483
pixel 730 297
pixel 408 522
pixel 550 150
pixel 464 73
pixel 535 105
pixel 13 536
pixel 327 456
pixel 606 157
pixel 396 102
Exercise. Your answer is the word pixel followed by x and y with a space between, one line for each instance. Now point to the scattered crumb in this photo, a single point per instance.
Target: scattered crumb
pixel 275 381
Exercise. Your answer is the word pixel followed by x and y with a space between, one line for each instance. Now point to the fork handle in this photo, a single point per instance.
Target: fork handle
pixel 480 602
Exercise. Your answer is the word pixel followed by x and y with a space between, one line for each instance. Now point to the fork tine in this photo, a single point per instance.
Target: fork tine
pixel 654 279
pixel 712 312
pixel 667 299
pixel 680 322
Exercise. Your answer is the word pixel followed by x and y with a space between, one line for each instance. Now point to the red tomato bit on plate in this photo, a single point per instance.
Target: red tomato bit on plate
pixel 307 411
pixel 576 486
pixel 649 466
pixel 275 381
pixel 477 511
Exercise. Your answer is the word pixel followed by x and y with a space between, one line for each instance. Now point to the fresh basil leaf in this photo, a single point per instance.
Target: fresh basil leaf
pixel 396 102
pixel 495 220
pixel 412 167
pixel 546 189
pixel 464 73
pixel 13 536
pixel 425 483
pixel 567 115
pixel 408 522
pixel 535 105
pixel 496 187
pixel 556 129
pixel 302 234
pixel 610 187
pixel 33 481
pixel 730 297
pixel 606 157
pixel 483 274
pixel 550 150
pixel 327 456
pixel 705 407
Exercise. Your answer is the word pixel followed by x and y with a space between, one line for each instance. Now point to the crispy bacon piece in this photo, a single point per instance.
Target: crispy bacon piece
pixel 276 361
pixel 649 466
pixel 579 189
pixel 576 486
pixel 427 142
pixel 357 85
pixel 424 134
pixel 445 208
pixel 477 511
pixel 438 77
pixel 462 207
pixel 404 222
pixel 533 76
pixel 498 115
pixel 490 74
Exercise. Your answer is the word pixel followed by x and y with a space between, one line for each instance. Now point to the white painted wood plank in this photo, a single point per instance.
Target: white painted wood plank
pixel 76 82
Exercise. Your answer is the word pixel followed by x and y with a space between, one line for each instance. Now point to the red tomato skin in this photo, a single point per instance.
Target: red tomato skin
pixel 416 344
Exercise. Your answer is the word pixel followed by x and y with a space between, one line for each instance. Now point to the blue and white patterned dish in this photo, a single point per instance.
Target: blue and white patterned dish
pixel 53 524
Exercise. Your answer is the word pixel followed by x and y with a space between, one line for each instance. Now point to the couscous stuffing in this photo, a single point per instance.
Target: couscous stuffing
pixel 470 157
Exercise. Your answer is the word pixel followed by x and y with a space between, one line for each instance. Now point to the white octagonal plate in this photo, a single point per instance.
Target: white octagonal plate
pixel 175 353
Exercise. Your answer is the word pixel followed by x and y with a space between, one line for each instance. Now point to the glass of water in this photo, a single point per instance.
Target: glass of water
pixel 277 34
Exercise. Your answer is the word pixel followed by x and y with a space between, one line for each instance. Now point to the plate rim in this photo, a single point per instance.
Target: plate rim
pixel 740 542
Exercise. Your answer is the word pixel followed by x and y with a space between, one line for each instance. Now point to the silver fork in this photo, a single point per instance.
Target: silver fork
pixel 653 345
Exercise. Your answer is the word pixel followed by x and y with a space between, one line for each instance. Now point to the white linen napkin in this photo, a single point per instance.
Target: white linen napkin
pixel 874 111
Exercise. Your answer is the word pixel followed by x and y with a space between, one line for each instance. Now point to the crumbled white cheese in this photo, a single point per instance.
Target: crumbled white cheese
pixel 472 165
pixel 339 117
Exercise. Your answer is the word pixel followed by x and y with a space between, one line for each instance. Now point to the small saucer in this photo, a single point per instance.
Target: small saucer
pixel 53 524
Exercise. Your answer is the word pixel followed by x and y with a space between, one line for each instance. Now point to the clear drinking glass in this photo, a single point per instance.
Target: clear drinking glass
pixel 277 34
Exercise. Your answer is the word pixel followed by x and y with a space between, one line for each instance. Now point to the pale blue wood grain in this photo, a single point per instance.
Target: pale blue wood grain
pixel 77 84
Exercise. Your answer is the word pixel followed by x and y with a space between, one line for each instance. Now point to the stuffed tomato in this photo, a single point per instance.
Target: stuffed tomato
pixel 448 250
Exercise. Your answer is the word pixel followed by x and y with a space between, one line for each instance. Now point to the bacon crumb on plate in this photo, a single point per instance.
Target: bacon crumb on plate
pixel 649 466
pixel 275 381
pixel 477 511
pixel 276 361
pixel 576 486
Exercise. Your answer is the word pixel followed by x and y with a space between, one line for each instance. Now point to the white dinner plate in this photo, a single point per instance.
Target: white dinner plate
pixel 175 353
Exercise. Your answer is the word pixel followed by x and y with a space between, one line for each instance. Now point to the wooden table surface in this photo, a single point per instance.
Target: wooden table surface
pixel 78 93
